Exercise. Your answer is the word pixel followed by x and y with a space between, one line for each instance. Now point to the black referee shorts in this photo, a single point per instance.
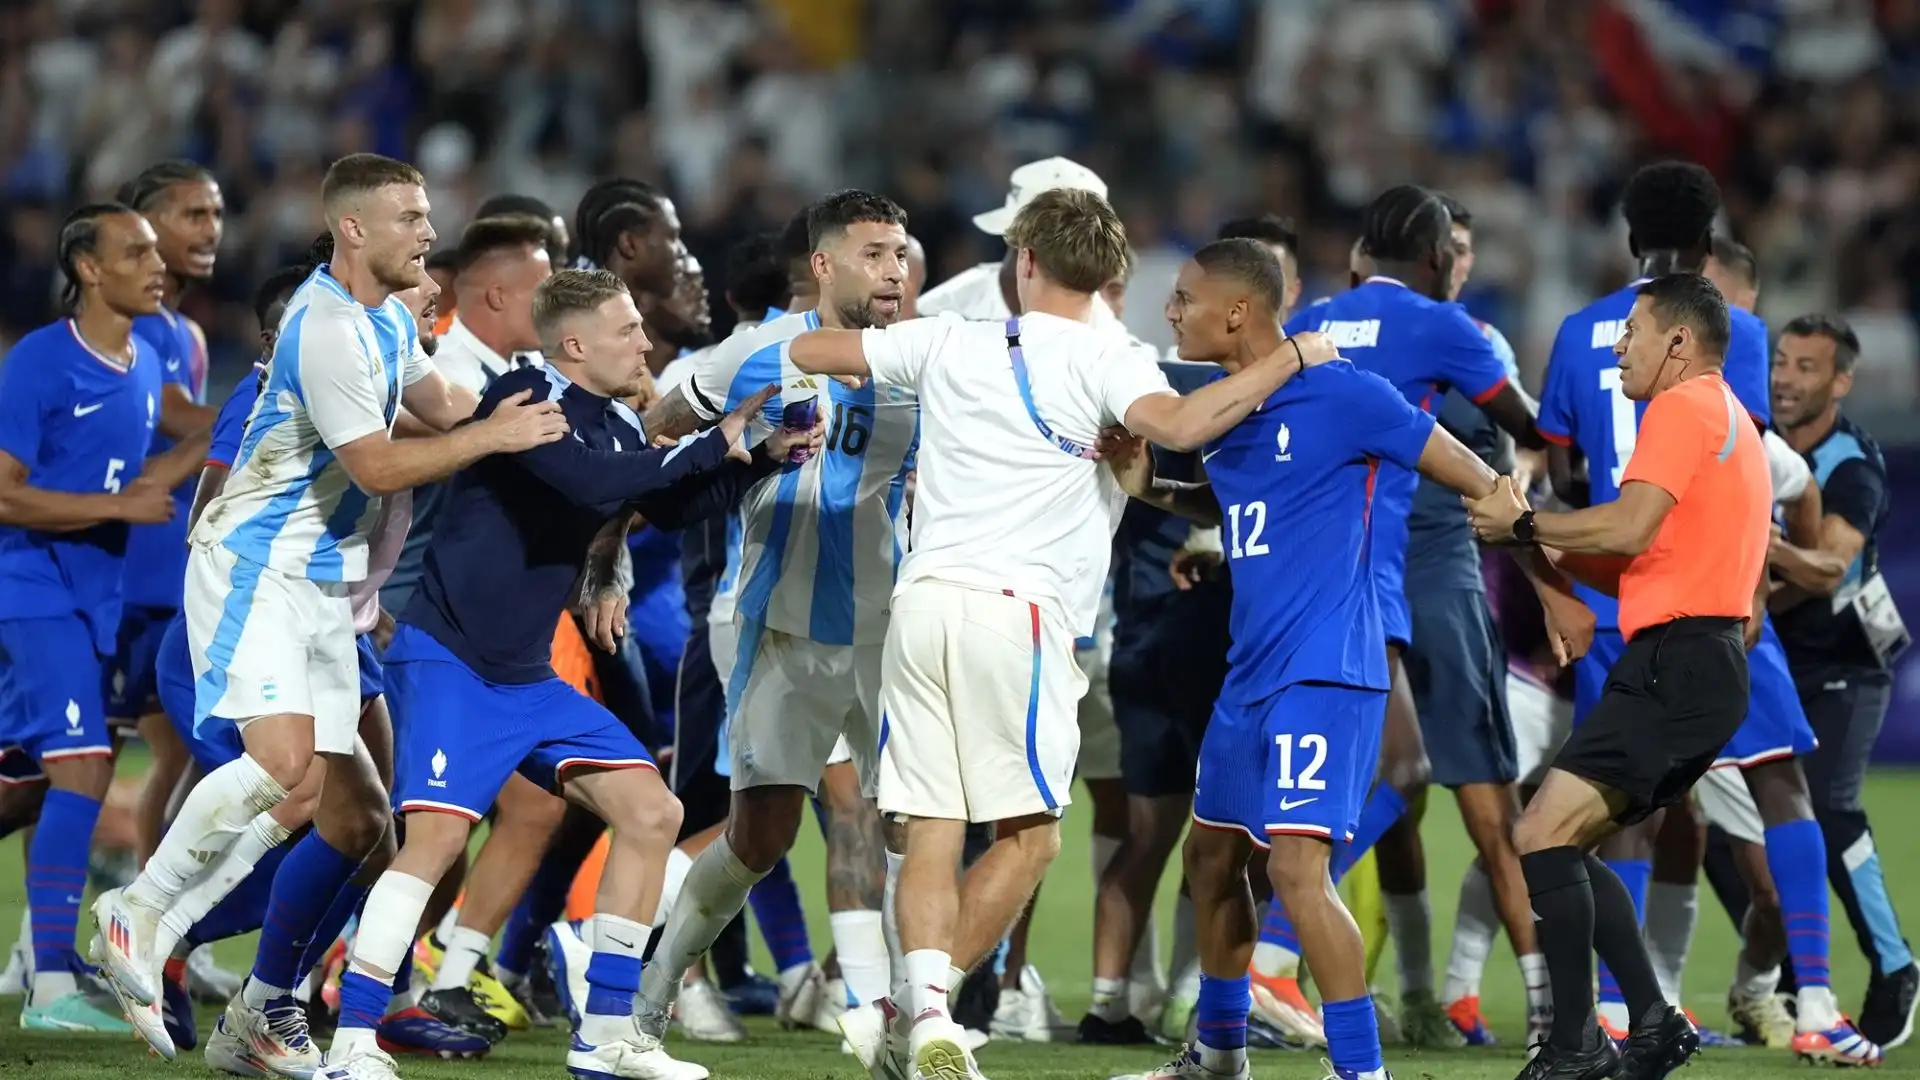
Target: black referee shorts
pixel 1671 702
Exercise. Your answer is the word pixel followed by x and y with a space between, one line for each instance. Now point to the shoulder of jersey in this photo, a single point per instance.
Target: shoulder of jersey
pixel 49 338
pixel 964 293
pixel 1742 319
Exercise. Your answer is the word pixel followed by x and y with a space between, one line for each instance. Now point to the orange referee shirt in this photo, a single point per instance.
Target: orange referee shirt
pixel 1697 444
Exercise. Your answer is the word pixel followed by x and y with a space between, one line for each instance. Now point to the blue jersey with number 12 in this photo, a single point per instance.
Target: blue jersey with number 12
pixel 1583 406
pixel 81 422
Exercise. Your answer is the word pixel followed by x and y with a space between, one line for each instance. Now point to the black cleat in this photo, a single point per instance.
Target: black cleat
pixel 457 1009
pixel 1661 1042
pixel 1597 1060
pixel 1095 1031
pixel 542 997
pixel 1887 1016
pixel 1265 1036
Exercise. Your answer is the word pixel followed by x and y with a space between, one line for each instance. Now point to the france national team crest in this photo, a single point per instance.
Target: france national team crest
pixel 1284 439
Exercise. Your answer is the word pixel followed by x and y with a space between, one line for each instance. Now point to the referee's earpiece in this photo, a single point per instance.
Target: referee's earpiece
pixel 1675 343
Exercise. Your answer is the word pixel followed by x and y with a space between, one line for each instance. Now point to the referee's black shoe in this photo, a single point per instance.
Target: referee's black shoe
pixel 1661 1042
pixel 1598 1059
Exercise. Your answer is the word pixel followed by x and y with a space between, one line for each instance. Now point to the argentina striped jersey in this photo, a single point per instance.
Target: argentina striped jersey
pixel 336 375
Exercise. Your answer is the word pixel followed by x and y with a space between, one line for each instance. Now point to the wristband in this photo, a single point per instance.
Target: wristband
pixel 1300 356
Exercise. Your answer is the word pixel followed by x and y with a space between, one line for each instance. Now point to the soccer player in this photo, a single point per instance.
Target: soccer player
pixel 79 403
pixel 268 616
pixel 1684 549
pixel 1841 671
pixel 811 564
pixel 1670 207
pixel 473 646
pixel 559 237
pixel 1292 746
pixel 1013 525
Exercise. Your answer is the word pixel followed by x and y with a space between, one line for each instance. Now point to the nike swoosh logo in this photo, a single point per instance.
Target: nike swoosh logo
pixel 617 941
pixel 173 365
pixel 1207 455
pixel 1291 804
pixel 83 410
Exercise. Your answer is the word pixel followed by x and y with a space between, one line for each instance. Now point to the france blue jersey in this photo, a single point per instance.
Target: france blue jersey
pixel 1298 485
pixel 814 551
pixel 1424 347
pixel 230 426
pixel 157 554
pixel 81 423
pixel 1582 405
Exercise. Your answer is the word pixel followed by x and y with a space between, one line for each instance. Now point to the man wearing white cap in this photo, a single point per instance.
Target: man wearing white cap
pixel 986 291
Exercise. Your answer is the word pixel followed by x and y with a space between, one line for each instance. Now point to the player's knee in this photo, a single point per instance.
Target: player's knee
pixel 1408 773
pixel 20 805
pixel 1298 873
pixel 1213 863
pixel 1036 839
pixel 287 764
pixel 355 827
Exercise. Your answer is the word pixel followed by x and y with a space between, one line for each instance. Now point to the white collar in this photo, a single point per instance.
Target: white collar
pixel 459 336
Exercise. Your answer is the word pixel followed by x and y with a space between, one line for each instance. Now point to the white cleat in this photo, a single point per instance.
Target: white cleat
pixel 940 1051
pixel 364 1062
pixel 266 1042
pixel 704 1016
pixel 568 955
pixel 207 982
pixel 1186 1066
pixel 829 1004
pixel 876 1040
pixel 639 1056
pixel 1026 1012
pixel 799 989
pixel 120 947
pixel 19 972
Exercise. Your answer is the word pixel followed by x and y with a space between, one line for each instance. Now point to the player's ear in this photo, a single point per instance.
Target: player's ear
pixel 819 262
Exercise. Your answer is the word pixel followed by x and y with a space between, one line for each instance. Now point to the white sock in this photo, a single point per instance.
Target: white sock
pixel 1751 983
pixel 1818 1010
pixel 262 835
pixel 861 944
pixel 717 886
pixel 675 879
pixel 1475 926
pixel 929 980
pixel 1672 911
pixel 383 942
pixel 461 950
pixel 1410 924
pixel 1533 975
pixel 448 923
pixel 613 935
pixel 955 979
pixel 218 810
pixel 890 929
pixel 1223 1062
pixel 50 986
pixel 1186 951
pixel 1110 1000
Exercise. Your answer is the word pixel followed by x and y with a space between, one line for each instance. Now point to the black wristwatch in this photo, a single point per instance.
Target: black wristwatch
pixel 1523 528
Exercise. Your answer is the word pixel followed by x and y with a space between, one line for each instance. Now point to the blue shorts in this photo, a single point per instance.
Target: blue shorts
pixel 1590 671
pixel 50 704
pixel 1168 664
pixel 1457 669
pixel 131 680
pixel 1776 726
pixel 460 737
pixel 372 677
pixel 1297 763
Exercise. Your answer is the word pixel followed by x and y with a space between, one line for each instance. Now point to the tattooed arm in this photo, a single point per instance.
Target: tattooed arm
pixel 674 416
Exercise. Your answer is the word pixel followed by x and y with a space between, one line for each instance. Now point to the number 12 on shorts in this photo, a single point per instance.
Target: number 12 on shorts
pixel 1309 778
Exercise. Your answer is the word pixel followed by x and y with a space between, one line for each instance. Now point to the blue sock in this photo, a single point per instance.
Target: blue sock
pixel 243 910
pixel 776 907
pixel 1634 874
pixel 57 875
pixel 310 879
pixel 518 938
pixel 611 982
pixel 1353 1034
pixel 1384 807
pixel 1797 856
pixel 1221 1014
pixel 327 931
pixel 363 1000
pixel 1277 929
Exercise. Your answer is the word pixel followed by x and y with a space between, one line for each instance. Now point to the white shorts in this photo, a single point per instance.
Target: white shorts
pixel 792 702
pixel 1726 801
pixel 266 644
pixel 980 693
pixel 1099 735
pixel 842 753
pixel 1541 722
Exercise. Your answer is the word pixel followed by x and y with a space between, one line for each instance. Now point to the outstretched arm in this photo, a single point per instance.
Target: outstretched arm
pixel 1191 421
pixel 1131 459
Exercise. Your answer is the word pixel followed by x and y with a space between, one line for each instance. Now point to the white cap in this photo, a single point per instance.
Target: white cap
pixel 1029 180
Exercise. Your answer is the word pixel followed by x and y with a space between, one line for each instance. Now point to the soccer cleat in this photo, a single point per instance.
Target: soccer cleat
pixel 1424 1024
pixel 1261 1036
pixel 207 982
pixel 1763 1020
pixel 427 954
pixel 1661 1042
pixel 332 967
pixel 1599 1059
pixel 876 1037
pixel 753 995
pixel 457 1008
pixel 273 1041
pixel 176 1007
pixel 800 989
pixel 1186 1066
pixel 704 1016
pixel 363 1062
pixel 940 1051
pixel 1279 1002
pixel 1611 1030
pixel 568 955
pixel 639 1056
pixel 1176 1018
pixel 1887 1016
pixel 1709 1038
pixel 492 995
pixel 1099 1031
pixel 417 1031
pixel 148 1021
pixel 1839 1045
pixel 73 1012
pixel 120 948
pixel 1464 1015
pixel 18 975
pixel 827 1005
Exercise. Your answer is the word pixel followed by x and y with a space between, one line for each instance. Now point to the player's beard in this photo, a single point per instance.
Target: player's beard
pixel 399 274
pixel 857 314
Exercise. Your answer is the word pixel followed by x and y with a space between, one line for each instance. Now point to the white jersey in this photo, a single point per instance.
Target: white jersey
pixel 1005 499
pixel 336 375
pixel 812 551
pixel 1789 470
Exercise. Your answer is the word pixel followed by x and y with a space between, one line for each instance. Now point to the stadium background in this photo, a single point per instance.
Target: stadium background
pixel 1532 112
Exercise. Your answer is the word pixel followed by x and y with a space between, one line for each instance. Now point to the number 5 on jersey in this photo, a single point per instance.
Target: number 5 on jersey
pixel 1249 519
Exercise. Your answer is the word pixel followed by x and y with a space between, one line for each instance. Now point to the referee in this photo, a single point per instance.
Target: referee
pixel 1684 547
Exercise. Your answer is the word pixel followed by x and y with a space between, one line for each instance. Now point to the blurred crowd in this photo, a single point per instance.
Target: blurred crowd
pixel 1532 112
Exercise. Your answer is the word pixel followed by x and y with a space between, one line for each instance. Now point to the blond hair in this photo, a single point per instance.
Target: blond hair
pixel 358 174
pixel 568 293
pixel 1075 237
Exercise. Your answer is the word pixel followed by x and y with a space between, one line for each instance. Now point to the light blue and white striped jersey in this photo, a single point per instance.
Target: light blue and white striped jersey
pixel 336 375
pixel 812 551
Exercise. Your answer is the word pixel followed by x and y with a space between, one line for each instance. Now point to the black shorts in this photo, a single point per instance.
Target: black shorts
pixel 1669 706
pixel 699 708
pixel 1169 661
pixel 1457 669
